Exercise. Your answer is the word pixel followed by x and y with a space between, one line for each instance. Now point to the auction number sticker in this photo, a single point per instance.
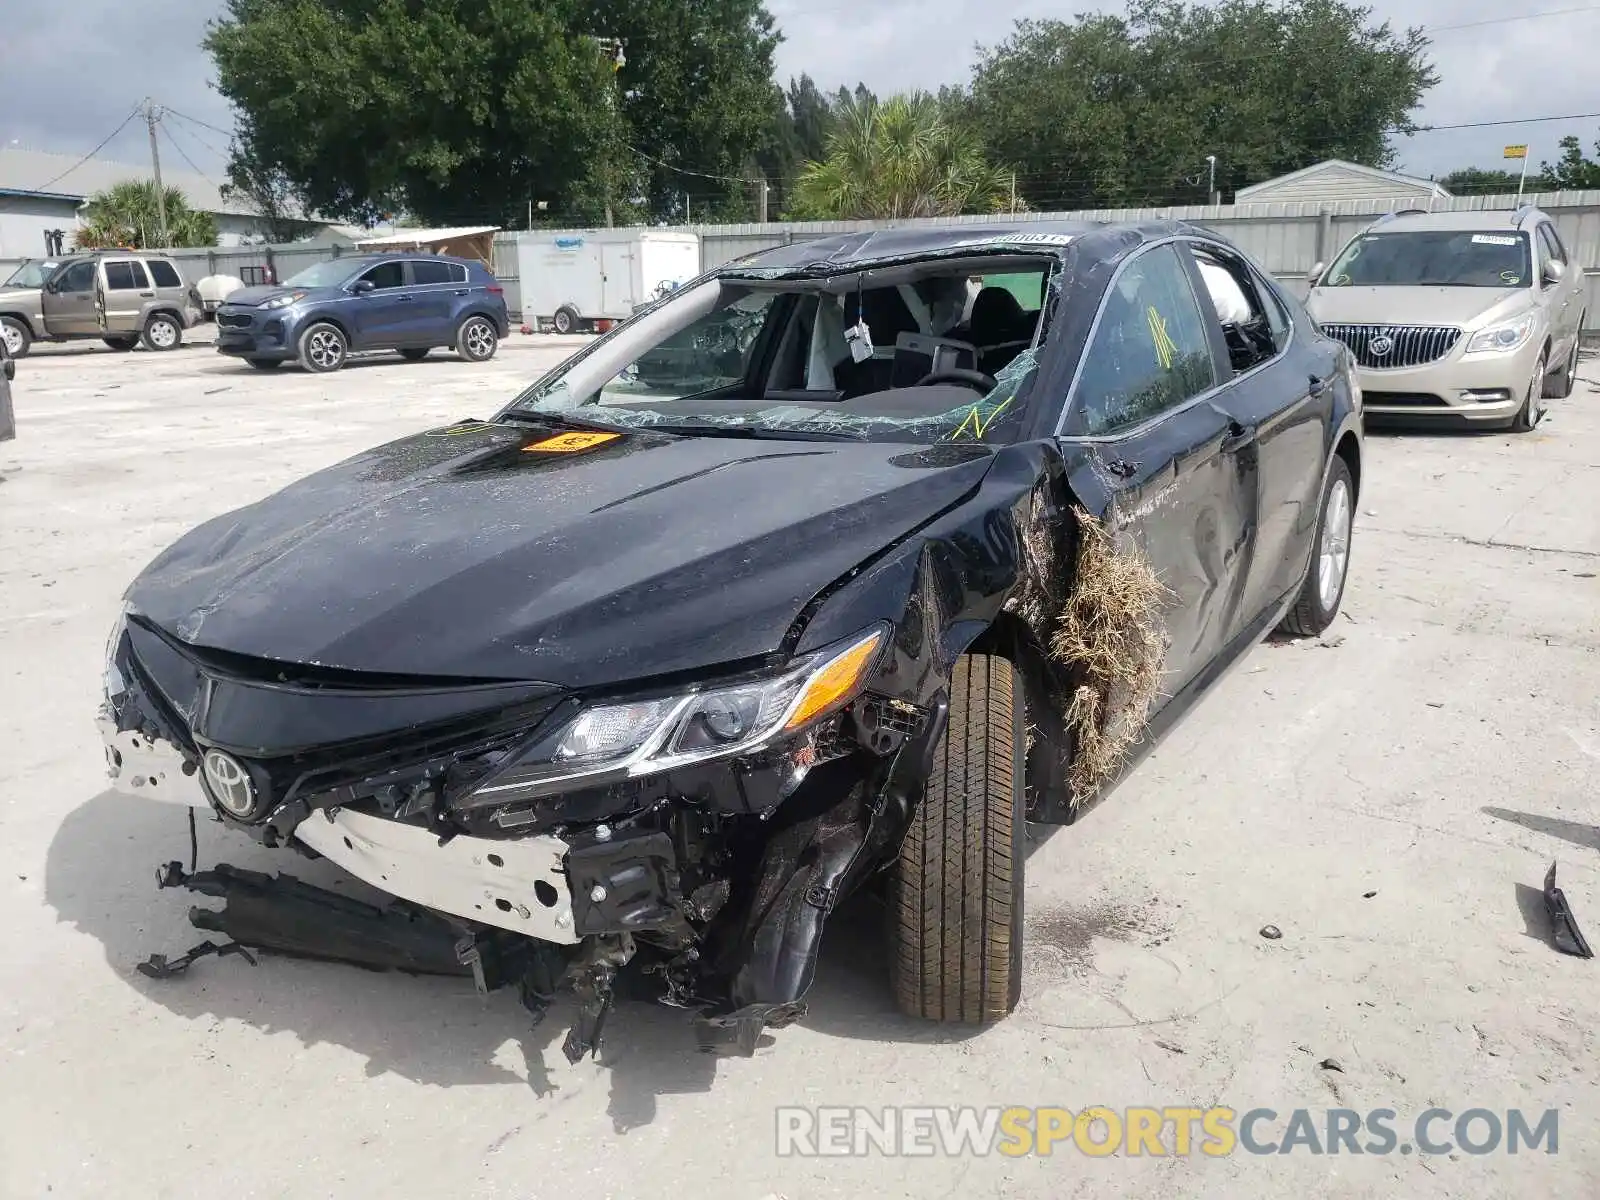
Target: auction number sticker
pixel 1494 239
pixel 567 443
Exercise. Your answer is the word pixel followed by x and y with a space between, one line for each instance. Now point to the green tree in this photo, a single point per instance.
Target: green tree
pixel 1475 181
pixel 901 157
pixel 1573 171
pixel 1124 110
pixel 126 214
pixel 465 110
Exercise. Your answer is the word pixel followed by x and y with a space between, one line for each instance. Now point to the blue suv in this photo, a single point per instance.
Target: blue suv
pixel 410 303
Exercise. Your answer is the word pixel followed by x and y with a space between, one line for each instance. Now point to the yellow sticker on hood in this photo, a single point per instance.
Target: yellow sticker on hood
pixel 566 443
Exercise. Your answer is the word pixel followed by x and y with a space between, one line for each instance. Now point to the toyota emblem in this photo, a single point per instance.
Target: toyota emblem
pixel 229 783
pixel 1381 345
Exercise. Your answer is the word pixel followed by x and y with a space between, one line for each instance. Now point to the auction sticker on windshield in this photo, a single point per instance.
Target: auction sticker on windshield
pixel 566 443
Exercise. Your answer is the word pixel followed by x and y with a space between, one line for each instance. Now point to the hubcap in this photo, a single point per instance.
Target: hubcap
pixel 324 349
pixel 13 337
pixel 480 340
pixel 163 333
pixel 1536 394
pixel 1335 552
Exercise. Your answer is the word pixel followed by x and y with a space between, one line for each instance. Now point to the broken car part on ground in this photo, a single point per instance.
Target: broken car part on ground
pixel 824 573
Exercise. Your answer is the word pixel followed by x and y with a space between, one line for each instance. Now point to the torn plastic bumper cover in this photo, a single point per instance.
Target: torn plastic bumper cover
pixel 519 863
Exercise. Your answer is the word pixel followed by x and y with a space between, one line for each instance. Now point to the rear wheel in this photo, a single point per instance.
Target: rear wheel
pixel 265 364
pixel 1532 410
pixel 1323 589
pixel 1569 373
pixel 121 343
pixel 323 348
pixel 162 332
pixel 477 340
pixel 414 353
pixel 566 321
pixel 956 896
pixel 17 336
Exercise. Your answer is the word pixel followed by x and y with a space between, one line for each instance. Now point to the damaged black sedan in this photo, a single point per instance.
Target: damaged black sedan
pixel 828 571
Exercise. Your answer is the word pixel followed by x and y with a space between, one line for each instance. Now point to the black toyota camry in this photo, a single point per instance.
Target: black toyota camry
pixel 825 572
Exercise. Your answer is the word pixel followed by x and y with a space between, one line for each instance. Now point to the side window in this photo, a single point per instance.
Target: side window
pixel 1149 352
pixel 1277 316
pixel 166 275
pixel 125 276
pixel 458 273
pixel 1552 243
pixel 426 271
pixel 1238 300
pixel 386 275
pixel 79 277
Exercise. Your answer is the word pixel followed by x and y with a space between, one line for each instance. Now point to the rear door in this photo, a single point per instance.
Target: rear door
pixel 381 315
pixel 434 286
pixel 69 301
pixel 616 280
pixel 1158 461
pixel 1566 299
pixel 126 290
pixel 1278 397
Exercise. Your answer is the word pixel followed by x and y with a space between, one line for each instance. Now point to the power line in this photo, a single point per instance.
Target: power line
pixel 696 174
pixel 184 155
pixel 196 136
pixel 1517 121
pixel 193 121
pixel 103 143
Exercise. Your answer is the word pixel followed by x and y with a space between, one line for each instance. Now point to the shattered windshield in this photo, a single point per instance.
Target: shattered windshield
pixel 31 275
pixel 1433 258
pixel 943 349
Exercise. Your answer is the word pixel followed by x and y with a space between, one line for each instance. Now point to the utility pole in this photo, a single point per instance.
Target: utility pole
pixel 687 217
pixel 761 200
pixel 1013 193
pixel 530 214
pixel 151 115
pixel 1211 188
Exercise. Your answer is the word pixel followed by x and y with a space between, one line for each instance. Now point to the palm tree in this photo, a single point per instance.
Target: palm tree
pixel 125 214
pixel 901 157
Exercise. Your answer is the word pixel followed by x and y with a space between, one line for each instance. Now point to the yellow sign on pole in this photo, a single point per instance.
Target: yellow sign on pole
pixel 1516 152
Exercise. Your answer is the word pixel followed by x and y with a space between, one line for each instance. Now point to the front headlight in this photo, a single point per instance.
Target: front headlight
pixel 283 301
pixel 1503 338
pixel 115 684
pixel 612 742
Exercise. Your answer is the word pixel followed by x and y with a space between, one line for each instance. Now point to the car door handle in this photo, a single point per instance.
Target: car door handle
pixel 1318 385
pixel 1239 436
pixel 147 295
pixel 402 299
pixel 463 291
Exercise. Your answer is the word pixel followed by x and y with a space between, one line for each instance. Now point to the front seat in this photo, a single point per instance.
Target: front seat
pixel 999 327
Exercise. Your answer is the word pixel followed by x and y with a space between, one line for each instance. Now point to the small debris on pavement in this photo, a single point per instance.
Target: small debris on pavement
pixel 1169 1047
pixel 1271 932
pixel 1332 643
pixel 215 391
pixel 1435 703
pixel 1583 574
pixel 1331 1064
pixel 1368 895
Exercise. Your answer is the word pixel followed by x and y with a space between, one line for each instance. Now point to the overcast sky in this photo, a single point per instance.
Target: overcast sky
pixel 69 73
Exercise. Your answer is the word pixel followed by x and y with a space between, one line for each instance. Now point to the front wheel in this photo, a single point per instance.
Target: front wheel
pixel 162 332
pixel 1323 589
pixel 956 895
pixel 1532 410
pixel 323 348
pixel 477 339
pixel 17 337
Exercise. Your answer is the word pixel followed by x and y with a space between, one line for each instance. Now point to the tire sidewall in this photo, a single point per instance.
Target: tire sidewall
pixel 1019 830
pixel 461 339
pixel 567 317
pixel 305 348
pixel 1336 473
pixel 155 322
pixel 24 337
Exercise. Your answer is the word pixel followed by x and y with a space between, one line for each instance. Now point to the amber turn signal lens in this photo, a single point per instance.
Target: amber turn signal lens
pixel 836 683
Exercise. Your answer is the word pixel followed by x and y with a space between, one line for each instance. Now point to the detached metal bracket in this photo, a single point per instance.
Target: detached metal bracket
pixel 1569 938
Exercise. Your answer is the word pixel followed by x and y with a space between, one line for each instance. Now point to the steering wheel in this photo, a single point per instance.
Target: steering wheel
pixel 976 380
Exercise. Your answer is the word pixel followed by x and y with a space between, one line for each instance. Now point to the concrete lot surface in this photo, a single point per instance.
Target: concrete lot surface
pixel 1388 797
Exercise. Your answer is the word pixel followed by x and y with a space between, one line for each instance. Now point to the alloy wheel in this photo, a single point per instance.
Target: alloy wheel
pixel 479 340
pixel 1334 553
pixel 324 349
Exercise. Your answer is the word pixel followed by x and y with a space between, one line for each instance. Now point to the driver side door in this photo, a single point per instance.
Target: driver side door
pixel 383 314
pixel 69 303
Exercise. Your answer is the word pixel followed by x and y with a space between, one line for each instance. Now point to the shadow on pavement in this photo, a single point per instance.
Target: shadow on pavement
pixel 100 879
pixel 1578 833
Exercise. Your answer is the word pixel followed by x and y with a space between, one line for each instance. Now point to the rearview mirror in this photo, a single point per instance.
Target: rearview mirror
pixel 1315 274
pixel 362 286
pixel 1553 271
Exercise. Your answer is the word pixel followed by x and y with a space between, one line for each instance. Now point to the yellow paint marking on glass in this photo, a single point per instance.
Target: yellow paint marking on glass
pixel 979 423
pixel 566 443
pixel 1166 348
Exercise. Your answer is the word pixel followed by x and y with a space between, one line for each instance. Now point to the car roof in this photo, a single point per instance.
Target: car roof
pixel 847 250
pixel 1505 219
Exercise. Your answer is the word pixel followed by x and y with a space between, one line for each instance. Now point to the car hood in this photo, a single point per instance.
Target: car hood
pixel 27 297
pixel 463 553
pixel 1468 307
pixel 251 296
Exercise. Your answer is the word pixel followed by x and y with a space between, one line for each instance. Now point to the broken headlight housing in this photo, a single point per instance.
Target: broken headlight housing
pixel 609 743
pixel 111 675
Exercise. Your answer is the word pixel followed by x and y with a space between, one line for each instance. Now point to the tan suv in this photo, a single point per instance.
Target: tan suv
pixel 1469 317
pixel 123 298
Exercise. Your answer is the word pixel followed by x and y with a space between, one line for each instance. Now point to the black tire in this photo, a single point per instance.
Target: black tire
pixel 566 320
pixel 19 338
pixel 1313 611
pixel 1569 373
pixel 162 331
pixel 1532 409
pixel 956 894
pixel 265 364
pixel 121 343
pixel 414 353
pixel 323 347
pixel 477 339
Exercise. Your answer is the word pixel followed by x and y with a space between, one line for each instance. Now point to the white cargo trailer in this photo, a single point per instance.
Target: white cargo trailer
pixel 571 279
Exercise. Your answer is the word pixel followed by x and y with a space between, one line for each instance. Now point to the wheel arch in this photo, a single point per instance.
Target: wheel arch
pixel 24 320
